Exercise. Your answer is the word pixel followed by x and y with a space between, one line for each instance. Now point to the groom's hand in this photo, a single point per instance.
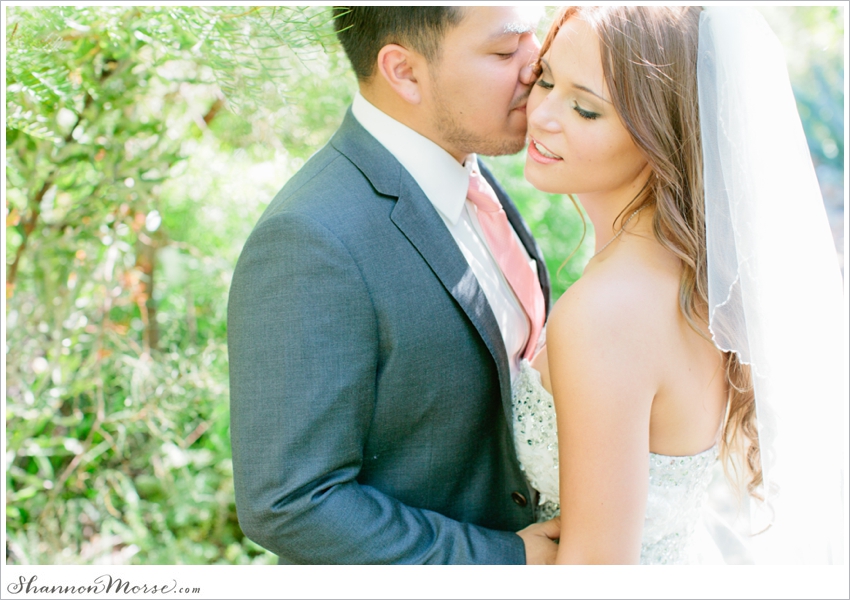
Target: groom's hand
pixel 540 541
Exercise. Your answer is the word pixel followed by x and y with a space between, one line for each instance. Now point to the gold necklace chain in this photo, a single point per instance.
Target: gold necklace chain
pixel 619 231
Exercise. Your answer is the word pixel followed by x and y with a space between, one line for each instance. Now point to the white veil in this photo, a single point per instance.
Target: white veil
pixel 774 286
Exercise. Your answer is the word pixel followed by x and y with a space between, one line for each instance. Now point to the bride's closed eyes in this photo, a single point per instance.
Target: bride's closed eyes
pixel 585 114
pixel 588 115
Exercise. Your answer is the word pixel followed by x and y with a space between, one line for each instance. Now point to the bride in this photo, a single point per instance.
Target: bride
pixel 706 324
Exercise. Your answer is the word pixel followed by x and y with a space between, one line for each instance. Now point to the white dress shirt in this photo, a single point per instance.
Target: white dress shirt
pixel 445 183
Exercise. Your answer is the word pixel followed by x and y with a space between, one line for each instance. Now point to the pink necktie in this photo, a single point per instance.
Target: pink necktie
pixel 509 256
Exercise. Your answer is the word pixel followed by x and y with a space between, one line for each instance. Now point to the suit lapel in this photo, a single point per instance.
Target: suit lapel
pixel 417 219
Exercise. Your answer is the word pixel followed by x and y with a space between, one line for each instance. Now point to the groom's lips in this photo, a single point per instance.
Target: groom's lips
pixel 520 103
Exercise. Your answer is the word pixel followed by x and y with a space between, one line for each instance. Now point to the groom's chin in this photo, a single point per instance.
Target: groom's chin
pixel 512 142
pixel 504 148
pixel 516 144
pixel 510 139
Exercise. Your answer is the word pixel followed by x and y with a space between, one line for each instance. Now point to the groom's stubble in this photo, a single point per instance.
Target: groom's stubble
pixel 453 131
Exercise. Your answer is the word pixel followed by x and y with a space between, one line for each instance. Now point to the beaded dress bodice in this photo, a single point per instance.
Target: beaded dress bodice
pixel 677 484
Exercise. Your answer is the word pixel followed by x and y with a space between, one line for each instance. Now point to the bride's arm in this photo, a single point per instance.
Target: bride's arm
pixel 602 353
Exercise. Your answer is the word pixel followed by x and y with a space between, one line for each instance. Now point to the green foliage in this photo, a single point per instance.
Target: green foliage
pixel 129 190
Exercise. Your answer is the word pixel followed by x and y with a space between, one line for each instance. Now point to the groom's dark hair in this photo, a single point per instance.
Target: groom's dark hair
pixel 364 30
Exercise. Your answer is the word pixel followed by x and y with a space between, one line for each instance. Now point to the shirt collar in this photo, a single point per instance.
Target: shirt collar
pixel 444 180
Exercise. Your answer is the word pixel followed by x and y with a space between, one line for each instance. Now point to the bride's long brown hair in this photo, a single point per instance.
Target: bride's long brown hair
pixel 649 60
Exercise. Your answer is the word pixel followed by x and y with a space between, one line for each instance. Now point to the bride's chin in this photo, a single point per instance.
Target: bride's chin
pixel 543 181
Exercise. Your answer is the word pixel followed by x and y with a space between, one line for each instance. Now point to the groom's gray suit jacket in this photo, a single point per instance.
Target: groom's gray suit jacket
pixel 370 388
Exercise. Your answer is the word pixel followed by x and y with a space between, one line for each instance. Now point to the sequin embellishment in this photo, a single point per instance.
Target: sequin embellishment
pixel 677 484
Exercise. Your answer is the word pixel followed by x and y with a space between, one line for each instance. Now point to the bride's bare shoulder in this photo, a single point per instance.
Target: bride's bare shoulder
pixel 615 329
pixel 609 339
pixel 625 299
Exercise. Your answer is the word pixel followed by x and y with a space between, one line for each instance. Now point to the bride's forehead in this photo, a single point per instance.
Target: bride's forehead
pixel 577 34
pixel 576 47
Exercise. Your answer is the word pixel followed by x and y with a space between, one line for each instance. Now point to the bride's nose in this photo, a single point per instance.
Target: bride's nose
pixel 543 116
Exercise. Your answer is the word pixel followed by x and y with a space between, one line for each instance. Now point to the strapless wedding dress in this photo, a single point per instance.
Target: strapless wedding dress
pixel 677 484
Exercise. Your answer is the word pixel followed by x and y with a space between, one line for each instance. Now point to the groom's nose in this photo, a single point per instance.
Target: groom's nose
pixel 526 74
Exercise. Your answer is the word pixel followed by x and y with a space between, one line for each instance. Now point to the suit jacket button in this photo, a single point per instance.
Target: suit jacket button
pixel 519 499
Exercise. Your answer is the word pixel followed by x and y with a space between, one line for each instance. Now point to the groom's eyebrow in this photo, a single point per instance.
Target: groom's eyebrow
pixel 517 28
pixel 512 29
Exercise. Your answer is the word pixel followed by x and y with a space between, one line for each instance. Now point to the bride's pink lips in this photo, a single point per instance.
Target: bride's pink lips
pixel 534 153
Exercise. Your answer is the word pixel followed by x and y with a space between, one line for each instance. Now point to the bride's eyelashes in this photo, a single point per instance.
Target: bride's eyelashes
pixel 584 114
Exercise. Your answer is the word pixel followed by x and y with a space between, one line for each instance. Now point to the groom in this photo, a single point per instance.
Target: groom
pixel 373 332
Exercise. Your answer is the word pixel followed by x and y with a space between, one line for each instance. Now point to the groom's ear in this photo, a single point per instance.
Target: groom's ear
pixel 398 66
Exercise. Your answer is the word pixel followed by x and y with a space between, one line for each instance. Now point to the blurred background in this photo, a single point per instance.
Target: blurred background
pixel 141 146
